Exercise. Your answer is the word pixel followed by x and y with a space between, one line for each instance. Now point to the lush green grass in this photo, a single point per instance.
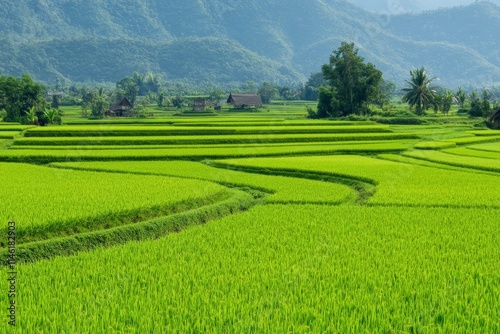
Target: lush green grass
pixel 55 201
pixel 283 189
pixel 75 154
pixel 211 146
pixel 485 133
pixel 457 159
pixel 490 147
pixel 435 145
pixel 391 244
pixel 151 130
pixel 280 269
pixel 9 134
pixel 14 127
pixel 447 143
pixel 211 139
pixel 397 183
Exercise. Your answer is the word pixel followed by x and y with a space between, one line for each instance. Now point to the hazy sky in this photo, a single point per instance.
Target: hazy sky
pixel 398 6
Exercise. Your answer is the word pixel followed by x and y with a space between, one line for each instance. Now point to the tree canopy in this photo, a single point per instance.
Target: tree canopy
pixel 21 97
pixel 352 83
pixel 420 94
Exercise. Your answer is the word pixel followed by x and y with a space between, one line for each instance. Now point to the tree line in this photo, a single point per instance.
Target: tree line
pixel 349 86
pixel 345 86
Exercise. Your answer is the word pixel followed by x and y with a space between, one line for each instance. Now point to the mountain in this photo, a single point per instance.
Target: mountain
pixel 235 40
pixel 394 7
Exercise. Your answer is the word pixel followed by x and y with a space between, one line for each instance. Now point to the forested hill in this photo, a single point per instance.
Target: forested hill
pixel 236 40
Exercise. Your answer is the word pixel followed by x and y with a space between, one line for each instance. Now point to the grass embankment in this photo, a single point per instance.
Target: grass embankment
pixel 396 183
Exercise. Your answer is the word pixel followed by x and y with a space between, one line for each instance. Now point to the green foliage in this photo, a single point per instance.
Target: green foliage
pixel 311 88
pixel 178 101
pixel 127 87
pixel 53 116
pixel 397 183
pixel 420 94
pixel 21 98
pixel 353 84
pixel 480 106
pixel 216 95
pixel 99 105
pixel 341 262
pixel 326 102
pixel 82 206
pixel 225 43
pixel 267 92
pixel 461 97
pixel 56 101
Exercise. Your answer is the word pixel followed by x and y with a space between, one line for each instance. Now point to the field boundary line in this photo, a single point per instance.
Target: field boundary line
pixel 364 187
pixel 150 229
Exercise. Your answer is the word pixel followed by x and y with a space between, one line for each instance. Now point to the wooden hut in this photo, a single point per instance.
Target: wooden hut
pixel 121 108
pixel 494 119
pixel 244 100
pixel 200 104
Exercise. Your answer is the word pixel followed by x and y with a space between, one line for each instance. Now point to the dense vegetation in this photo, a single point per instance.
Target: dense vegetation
pixel 223 40
pixel 375 234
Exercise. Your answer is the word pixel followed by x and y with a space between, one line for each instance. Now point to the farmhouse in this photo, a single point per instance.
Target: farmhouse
pixel 244 100
pixel 121 108
pixel 494 119
pixel 200 104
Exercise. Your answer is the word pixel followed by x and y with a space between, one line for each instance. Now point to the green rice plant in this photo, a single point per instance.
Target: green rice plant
pixel 471 152
pixel 457 160
pixel 209 139
pixel 482 133
pixel 8 134
pixel 474 140
pixel 280 269
pixel 434 145
pixel 108 131
pixel 427 163
pixel 287 123
pixel 15 127
pixel 52 202
pixel 396 183
pixel 194 153
pixel 283 189
pixel 489 147
pixel 228 146
pixel 448 143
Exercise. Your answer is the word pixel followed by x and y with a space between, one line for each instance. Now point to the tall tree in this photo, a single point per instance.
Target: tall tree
pixel 311 88
pixel 448 100
pixel 128 87
pixel 267 92
pixel 461 97
pixel 353 84
pixel 485 104
pixel 420 94
pixel 18 96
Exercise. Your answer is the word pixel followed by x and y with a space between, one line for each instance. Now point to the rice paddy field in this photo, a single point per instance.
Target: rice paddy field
pixel 251 222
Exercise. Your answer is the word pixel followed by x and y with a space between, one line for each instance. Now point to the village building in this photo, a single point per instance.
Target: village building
pixel 244 100
pixel 200 104
pixel 121 108
pixel 494 119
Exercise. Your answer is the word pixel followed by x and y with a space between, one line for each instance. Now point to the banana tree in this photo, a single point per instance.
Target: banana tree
pixel 31 116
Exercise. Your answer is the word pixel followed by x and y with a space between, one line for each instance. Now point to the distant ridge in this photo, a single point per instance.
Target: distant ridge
pixel 237 41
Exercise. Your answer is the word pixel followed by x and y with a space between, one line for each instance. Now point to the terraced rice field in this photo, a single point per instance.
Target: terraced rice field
pixel 252 223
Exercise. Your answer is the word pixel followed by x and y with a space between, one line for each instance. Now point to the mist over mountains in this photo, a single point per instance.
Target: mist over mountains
pixel 235 41
pixel 394 7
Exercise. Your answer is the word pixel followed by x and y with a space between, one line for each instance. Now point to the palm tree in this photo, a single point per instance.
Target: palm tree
pixel 420 94
pixel 461 97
